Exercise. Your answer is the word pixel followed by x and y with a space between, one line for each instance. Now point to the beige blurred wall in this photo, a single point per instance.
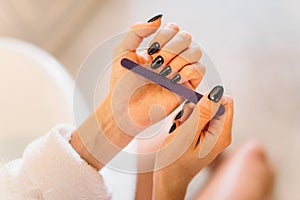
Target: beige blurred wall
pixel 67 29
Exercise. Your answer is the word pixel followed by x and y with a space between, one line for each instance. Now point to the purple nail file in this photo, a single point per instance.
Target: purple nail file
pixel 165 82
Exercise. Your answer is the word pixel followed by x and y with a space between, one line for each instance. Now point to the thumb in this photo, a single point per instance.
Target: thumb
pixel 207 109
pixel 137 33
pixel 195 122
pixel 208 106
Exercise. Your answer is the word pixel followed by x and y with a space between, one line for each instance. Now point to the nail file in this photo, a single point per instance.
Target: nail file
pixel 181 90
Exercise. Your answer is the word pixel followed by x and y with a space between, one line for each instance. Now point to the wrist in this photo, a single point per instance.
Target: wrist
pixel 169 186
pixel 110 128
pixel 83 152
pixel 99 138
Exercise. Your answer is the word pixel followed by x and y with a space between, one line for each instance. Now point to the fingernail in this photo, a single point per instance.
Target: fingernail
pixel 173 127
pixel 155 18
pixel 221 111
pixel 165 71
pixel 176 78
pixel 179 115
pixel 153 48
pixel 157 62
pixel 216 94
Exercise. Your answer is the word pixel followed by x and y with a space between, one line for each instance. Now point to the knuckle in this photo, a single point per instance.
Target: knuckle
pixel 227 141
pixel 230 101
pixel 172 26
pixel 116 51
pixel 135 26
pixel 184 71
pixel 201 69
pixel 196 52
pixel 186 35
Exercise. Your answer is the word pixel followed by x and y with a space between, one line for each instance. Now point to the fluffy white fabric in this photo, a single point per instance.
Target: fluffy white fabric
pixel 51 169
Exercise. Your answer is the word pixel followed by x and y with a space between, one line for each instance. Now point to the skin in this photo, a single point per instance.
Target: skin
pixel 188 164
pixel 127 115
pixel 246 173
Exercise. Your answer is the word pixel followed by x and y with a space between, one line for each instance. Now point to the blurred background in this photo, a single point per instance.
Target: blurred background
pixel 254 44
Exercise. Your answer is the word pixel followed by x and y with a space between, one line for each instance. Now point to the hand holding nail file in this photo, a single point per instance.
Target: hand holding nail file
pixel 185 92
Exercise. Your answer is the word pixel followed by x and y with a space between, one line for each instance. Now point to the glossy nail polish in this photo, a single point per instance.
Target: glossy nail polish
pixel 216 94
pixel 157 62
pixel 173 127
pixel 155 18
pixel 176 78
pixel 153 48
pixel 165 71
pixel 179 115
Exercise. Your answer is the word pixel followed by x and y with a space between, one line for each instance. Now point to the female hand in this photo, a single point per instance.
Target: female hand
pixel 136 102
pixel 199 137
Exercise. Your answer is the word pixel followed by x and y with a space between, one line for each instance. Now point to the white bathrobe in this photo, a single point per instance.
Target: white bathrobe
pixel 51 169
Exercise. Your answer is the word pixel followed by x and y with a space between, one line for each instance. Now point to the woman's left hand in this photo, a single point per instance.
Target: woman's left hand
pixel 138 103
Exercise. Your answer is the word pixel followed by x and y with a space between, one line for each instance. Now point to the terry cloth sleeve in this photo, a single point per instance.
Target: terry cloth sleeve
pixel 51 169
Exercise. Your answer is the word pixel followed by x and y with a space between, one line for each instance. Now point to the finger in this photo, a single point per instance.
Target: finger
pixel 135 36
pixel 225 137
pixel 178 141
pixel 163 36
pixel 175 46
pixel 208 105
pixel 204 111
pixel 192 75
pixel 183 114
pixel 219 121
pixel 206 108
pixel 188 56
pixel 184 137
pixel 217 136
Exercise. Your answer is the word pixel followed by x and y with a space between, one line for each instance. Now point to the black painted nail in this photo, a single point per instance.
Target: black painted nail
pixel 165 71
pixel 153 48
pixel 216 94
pixel 221 111
pixel 176 78
pixel 157 62
pixel 155 18
pixel 179 115
pixel 173 127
